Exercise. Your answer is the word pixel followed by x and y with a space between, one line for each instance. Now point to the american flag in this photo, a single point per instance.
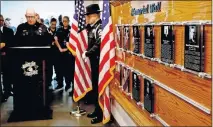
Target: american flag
pixel 107 61
pixel 78 43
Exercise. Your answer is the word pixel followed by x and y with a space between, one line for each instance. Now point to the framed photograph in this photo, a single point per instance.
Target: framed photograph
pixel 126 36
pixel 149 44
pixel 125 80
pixel 119 36
pixel 167 44
pixel 136 87
pixel 148 96
pixel 136 40
pixel 194 48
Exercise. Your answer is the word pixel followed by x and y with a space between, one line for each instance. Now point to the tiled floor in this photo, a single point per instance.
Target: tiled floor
pixel 61 114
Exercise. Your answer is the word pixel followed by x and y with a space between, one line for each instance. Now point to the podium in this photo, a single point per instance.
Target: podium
pixel 28 74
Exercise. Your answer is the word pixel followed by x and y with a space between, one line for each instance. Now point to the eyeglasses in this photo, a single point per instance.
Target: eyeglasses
pixel 30 17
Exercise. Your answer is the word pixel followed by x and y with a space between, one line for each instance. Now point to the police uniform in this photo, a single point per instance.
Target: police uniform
pixel 93 52
pixel 52 57
pixel 65 63
pixel 29 72
pixel 32 35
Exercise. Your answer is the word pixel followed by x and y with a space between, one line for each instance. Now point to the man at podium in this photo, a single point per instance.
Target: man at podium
pixel 29 54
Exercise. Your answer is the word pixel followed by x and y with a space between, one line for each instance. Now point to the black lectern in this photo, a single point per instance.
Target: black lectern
pixel 31 101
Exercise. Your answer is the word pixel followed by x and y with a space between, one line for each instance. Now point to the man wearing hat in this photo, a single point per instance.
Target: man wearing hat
pixel 93 53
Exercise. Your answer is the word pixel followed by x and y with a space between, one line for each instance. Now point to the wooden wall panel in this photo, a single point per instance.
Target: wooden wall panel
pixel 190 85
pixel 157 31
pixel 179 45
pixel 191 10
pixel 131 38
pixel 208 49
pixel 177 112
pixel 142 39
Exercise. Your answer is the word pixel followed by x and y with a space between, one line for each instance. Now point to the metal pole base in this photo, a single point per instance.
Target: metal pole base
pixel 78 112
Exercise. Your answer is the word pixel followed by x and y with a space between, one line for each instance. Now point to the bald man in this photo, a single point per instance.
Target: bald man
pixel 30 92
pixel 32 33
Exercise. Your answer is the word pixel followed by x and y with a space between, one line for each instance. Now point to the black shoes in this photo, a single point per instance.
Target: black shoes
pixel 92 115
pixel 96 120
pixel 95 116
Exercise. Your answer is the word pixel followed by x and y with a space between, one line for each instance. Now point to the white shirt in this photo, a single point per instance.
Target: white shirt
pixel 2 29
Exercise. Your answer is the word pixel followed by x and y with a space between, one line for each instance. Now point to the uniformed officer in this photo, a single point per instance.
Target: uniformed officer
pixel 6 38
pixel 53 50
pixel 31 88
pixel 65 63
pixel 32 33
pixel 93 52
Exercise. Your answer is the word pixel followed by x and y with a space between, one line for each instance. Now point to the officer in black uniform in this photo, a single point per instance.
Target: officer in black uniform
pixel 65 63
pixel 53 52
pixel 30 89
pixel 93 52
pixel 6 38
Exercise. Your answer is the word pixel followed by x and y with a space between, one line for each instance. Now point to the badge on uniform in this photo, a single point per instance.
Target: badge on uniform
pixel 24 32
pixel 30 68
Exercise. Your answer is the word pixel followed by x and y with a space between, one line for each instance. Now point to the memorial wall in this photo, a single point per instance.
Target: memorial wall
pixel 163 71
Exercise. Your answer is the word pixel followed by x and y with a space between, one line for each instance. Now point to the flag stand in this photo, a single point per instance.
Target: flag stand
pixel 78 112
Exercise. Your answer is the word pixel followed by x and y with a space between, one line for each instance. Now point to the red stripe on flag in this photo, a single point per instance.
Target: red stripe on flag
pixel 75 94
pixel 82 72
pixel 106 39
pixel 79 84
pixel 74 38
pixel 83 39
pixel 104 60
pixel 103 81
pixel 86 65
pixel 72 47
pixel 107 102
pixel 74 26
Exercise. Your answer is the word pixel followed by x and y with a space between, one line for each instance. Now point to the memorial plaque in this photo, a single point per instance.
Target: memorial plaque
pixel 149 41
pixel 135 87
pixel 119 36
pixel 125 79
pixel 194 48
pixel 167 44
pixel 136 39
pixel 148 96
pixel 126 45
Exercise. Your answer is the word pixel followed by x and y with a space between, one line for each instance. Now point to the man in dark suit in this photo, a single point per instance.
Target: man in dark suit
pixel 5 41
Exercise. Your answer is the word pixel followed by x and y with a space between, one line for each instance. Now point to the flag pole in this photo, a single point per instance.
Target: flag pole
pixel 78 111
